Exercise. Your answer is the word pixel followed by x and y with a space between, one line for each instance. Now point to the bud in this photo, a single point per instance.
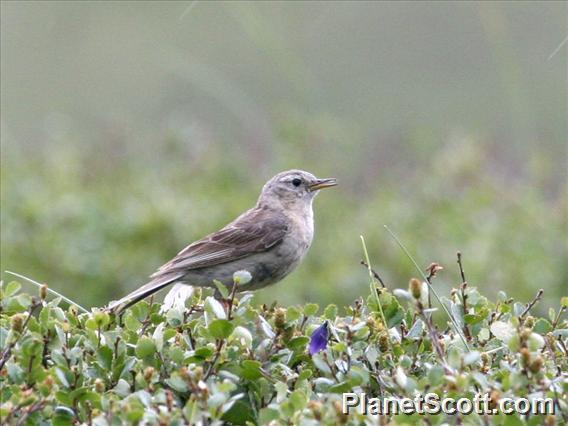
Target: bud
pixel 280 318
pixel 525 356
pixel 536 365
pixel 384 342
pixel 434 268
pixel 101 318
pixel 48 382
pixel 17 322
pixel 494 398
pixel 415 288
pixel 342 417
pixel 371 323
pixel 529 322
pixel 198 373
pixel 99 386
pixel 43 292
pixel 486 358
pixel 288 333
pixel 184 373
pixel 550 339
pixel 442 343
pixel 148 374
pixel 525 334
pixel 315 406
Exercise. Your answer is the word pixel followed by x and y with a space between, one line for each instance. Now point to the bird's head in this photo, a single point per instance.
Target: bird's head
pixel 293 187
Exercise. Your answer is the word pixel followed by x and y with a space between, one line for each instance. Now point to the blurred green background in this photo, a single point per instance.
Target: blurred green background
pixel 130 129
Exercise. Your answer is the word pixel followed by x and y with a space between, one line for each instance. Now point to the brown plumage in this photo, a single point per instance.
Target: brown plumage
pixel 268 240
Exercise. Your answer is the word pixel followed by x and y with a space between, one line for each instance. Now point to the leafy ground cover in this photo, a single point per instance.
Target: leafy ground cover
pixel 236 363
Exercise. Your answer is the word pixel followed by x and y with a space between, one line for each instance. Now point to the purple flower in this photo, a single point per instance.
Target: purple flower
pixel 318 341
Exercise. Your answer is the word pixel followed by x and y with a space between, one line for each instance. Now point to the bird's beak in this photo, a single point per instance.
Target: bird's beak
pixel 323 183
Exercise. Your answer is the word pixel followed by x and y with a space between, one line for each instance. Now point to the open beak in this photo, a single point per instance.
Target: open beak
pixel 323 183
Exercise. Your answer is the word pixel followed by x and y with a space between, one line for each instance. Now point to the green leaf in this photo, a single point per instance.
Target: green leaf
pixel 104 355
pixel 240 413
pixel 220 328
pixel 542 326
pixel 435 375
pixel 12 288
pixel 472 319
pixel 174 317
pixel 177 383
pixel 145 347
pixel 222 289
pixel 293 313
pixel 311 309
pixel 330 312
pixel 131 322
pixel 340 387
pixel 267 415
pixel 63 416
pixel 251 369
pixel 298 343
pixel 204 352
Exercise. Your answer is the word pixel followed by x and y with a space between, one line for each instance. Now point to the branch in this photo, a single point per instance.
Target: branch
pixel 375 274
pixel 532 303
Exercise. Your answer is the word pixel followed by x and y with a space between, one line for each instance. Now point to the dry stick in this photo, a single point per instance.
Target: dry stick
pixel 557 319
pixel 532 303
pixel 221 342
pixel 232 299
pixel 375 274
pixel 452 319
pixel 463 295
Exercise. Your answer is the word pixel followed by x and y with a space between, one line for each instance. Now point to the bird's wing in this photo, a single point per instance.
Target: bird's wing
pixel 255 231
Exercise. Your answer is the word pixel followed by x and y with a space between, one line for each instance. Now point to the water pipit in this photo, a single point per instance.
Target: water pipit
pixel 268 241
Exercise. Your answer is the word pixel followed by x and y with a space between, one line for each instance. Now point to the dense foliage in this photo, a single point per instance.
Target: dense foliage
pixel 211 363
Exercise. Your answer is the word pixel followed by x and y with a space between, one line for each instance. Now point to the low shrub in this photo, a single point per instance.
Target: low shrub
pixel 234 363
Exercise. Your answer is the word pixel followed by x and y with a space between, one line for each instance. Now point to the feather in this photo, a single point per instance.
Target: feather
pixel 255 231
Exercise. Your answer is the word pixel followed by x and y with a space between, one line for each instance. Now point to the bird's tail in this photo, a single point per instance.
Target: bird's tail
pixel 158 283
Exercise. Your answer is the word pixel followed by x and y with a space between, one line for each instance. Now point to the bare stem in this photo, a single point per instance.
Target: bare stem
pixel 375 274
pixel 533 302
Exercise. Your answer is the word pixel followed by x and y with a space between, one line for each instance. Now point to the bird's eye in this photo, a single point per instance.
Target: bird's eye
pixel 296 182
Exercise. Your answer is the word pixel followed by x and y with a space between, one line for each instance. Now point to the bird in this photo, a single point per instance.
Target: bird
pixel 269 241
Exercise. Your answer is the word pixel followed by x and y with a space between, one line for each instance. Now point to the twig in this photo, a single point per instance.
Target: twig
pixel 232 299
pixel 8 351
pixel 217 355
pixel 532 303
pixel 375 274
pixel 452 319
pixel 30 410
pixel 557 319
